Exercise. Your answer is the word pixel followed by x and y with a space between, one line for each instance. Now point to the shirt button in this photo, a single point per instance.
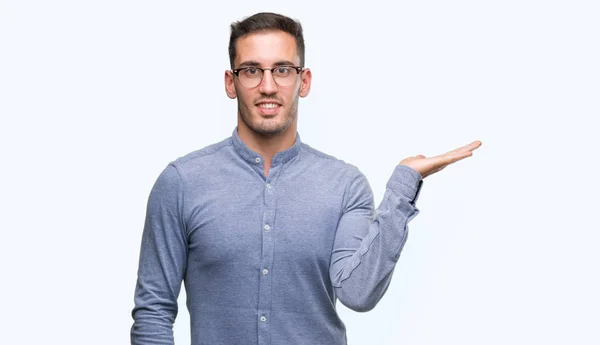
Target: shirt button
pixel 265 271
pixel 263 318
pixel 267 227
pixel 257 159
pixel 268 185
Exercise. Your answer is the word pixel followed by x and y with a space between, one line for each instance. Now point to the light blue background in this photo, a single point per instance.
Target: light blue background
pixel 96 97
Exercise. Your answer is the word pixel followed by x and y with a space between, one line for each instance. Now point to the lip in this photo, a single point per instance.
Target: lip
pixel 268 101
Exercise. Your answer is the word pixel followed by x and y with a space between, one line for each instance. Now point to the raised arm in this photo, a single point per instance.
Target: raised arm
pixel 367 245
pixel 162 262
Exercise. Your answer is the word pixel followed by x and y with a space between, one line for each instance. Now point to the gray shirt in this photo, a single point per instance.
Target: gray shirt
pixel 264 259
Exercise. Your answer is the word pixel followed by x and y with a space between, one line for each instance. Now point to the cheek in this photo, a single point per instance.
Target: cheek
pixel 292 94
pixel 244 98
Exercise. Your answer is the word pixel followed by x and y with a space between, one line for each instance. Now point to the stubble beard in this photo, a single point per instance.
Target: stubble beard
pixel 268 127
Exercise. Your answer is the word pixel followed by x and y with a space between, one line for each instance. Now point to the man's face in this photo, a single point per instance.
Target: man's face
pixel 268 108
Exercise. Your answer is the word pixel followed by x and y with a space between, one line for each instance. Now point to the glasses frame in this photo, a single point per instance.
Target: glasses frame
pixel 237 71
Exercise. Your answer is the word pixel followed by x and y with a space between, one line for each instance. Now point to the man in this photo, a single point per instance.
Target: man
pixel 266 231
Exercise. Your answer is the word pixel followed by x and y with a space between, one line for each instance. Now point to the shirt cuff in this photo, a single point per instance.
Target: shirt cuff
pixel 406 181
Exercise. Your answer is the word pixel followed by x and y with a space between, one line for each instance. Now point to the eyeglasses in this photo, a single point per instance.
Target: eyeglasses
pixel 252 76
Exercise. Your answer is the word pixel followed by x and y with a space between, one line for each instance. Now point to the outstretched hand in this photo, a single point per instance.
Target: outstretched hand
pixel 427 166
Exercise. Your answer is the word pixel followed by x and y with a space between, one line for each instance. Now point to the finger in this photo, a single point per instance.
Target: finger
pixel 467 148
pixel 446 159
pixel 440 162
pixel 459 156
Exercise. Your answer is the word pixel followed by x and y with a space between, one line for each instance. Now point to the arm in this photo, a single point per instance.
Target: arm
pixel 367 247
pixel 162 262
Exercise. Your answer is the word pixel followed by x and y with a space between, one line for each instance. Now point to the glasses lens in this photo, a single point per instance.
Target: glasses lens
pixel 285 76
pixel 250 77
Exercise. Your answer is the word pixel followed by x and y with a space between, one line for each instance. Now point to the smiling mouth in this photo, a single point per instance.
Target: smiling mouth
pixel 268 105
pixel 268 108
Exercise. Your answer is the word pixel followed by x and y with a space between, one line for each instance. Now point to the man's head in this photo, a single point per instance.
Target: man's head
pixel 264 22
pixel 266 54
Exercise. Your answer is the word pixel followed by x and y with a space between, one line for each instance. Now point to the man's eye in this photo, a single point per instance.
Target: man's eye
pixel 251 71
pixel 282 70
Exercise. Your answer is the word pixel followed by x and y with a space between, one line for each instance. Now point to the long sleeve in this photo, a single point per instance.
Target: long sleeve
pixel 367 246
pixel 162 262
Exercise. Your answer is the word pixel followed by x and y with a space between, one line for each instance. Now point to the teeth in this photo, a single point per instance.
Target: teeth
pixel 268 105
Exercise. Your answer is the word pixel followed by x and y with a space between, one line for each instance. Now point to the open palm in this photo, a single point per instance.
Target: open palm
pixel 427 166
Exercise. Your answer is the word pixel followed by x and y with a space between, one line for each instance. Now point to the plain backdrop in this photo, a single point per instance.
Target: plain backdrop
pixel 97 97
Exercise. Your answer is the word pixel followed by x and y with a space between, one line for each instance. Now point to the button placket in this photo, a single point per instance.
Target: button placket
pixel 266 262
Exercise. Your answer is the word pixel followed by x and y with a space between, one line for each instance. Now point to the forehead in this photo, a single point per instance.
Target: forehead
pixel 266 48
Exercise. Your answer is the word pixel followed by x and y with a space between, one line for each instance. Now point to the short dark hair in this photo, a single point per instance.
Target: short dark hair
pixel 266 21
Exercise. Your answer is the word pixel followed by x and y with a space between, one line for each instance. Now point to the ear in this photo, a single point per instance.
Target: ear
pixel 230 85
pixel 305 81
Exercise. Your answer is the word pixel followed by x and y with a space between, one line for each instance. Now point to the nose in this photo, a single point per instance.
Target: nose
pixel 267 84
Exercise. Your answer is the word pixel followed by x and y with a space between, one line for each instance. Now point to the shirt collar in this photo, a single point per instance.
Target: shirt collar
pixel 252 157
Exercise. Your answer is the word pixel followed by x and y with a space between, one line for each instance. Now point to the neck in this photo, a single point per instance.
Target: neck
pixel 267 145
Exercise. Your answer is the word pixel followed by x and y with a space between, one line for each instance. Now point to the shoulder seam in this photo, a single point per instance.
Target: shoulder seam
pixel 201 154
pixel 183 179
pixel 316 153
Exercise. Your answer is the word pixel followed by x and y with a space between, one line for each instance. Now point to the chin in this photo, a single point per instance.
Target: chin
pixel 269 129
pixel 268 125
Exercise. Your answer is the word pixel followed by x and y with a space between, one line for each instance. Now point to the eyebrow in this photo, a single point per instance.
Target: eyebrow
pixel 256 64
